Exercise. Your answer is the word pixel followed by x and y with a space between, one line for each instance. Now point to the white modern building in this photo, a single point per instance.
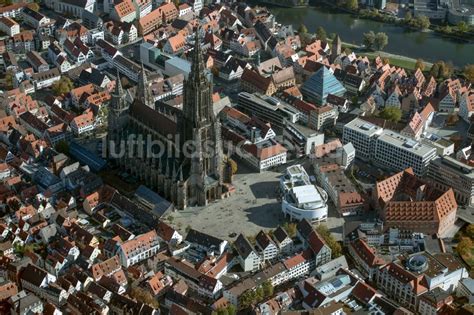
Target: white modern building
pixel 397 152
pixel 362 135
pixel 386 148
pixel 300 198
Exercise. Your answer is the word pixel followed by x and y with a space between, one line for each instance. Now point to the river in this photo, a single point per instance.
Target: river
pixel 414 44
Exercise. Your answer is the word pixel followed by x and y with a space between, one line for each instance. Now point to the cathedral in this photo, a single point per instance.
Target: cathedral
pixel 187 167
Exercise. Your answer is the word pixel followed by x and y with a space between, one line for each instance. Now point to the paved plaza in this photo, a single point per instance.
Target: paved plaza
pixel 252 207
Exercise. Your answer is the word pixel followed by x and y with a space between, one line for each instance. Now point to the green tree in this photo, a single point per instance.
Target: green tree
pixel 462 27
pixel 408 17
pixel 252 239
pixel 177 2
pixel 381 40
pixel 447 70
pixel 34 6
pixel 355 100
pixel 302 29
pixel 420 64
pixel 233 165
pixel 464 246
pixel 369 40
pixel 231 310
pixel 9 80
pixel 447 29
pixel 305 38
pixel 423 22
pixel 259 294
pixel 321 34
pixel 470 231
pixel 391 113
pixel 336 249
pixel 441 69
pixel 267 288
pixel 62 86
pixel 290 228
pixel 222 311
pixel 434 71
pixel 246 299
pixel 144 296
pixel 352 5
pixel 469 72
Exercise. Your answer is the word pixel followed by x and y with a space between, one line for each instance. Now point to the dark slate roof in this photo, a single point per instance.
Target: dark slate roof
pixel 95 77
pixel 280 234
pixel 156 203
pixel 305 228
pixel 203 239
pixel 243 246
pixel 263 240
pixel 153 119
pixel 33 274
pixel 87 157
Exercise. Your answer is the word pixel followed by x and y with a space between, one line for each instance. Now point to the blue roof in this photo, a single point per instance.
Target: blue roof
pixel 321 84
pixel 84 156
pixel 158 204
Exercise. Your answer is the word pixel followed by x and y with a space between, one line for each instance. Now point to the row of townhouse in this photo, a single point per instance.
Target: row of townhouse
pixel 266 249
pixel 251 258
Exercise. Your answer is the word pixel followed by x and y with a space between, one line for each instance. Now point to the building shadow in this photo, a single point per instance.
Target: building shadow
pixel 264 189
pixel 267 216
pixel 242 166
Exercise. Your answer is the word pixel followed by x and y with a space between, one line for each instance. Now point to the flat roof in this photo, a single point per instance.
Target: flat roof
pixel 305 131
pixel 306 194
pixel 458 166
pixel 364 127
pixel 405 143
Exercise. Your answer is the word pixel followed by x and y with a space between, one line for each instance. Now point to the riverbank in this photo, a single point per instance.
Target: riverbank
pixel 386 17
pixel 401 42
pixel 395 60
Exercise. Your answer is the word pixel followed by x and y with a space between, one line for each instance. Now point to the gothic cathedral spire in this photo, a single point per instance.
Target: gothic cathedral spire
pixel 198 67
pixel 197 107
pixel 118 103
pixel 143 91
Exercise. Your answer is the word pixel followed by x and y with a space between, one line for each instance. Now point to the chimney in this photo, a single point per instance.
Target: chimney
pixel 253 133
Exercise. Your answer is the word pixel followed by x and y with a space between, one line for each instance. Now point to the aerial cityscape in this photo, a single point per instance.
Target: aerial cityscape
pixel 224 157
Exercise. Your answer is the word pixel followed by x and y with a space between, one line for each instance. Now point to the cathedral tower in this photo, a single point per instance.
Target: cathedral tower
pixel 200 126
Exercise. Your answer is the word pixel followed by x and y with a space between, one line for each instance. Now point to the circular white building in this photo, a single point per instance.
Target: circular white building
pixel 300 198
